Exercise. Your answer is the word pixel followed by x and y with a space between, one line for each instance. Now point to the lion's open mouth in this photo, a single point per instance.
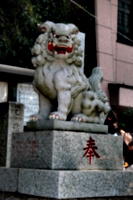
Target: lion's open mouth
pixel 61 49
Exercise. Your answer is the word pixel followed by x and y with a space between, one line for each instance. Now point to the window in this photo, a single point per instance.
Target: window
pixel 125 27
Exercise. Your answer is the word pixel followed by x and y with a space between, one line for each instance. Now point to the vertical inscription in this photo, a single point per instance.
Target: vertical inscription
pixel 24 149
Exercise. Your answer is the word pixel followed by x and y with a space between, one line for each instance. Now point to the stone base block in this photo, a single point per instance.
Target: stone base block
pixel 67 184
pixel 75 184
pixel 66 150
pixel 67 126
pixel 8 179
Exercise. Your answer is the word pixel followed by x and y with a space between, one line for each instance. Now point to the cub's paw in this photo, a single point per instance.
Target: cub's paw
pixel 79 118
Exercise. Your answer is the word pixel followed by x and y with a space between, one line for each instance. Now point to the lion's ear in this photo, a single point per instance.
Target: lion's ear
pixel 45 27
pixel 41 28
pixel 73 28
pixel 76 31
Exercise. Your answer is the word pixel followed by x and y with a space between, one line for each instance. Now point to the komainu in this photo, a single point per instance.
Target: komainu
pixel 59 80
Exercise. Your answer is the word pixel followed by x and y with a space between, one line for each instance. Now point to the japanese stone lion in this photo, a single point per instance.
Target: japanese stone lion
pixel 59 80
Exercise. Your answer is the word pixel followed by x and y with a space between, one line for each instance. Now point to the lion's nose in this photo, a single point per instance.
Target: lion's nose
pixel 63 39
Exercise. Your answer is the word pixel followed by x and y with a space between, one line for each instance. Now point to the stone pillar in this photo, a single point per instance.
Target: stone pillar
pixel 11 120
pixel 81 36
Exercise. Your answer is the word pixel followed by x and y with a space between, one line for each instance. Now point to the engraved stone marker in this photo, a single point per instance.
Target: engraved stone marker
pixel 27 96
pixel 11 120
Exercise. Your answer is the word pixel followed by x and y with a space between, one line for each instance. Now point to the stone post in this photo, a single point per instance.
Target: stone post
pixel 11 120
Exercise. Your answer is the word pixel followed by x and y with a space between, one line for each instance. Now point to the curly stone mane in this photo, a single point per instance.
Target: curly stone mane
pixel 40 53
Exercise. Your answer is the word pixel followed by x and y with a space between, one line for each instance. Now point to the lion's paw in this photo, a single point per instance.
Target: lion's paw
pixel 53 116
pixel 36 117
pixel 57 116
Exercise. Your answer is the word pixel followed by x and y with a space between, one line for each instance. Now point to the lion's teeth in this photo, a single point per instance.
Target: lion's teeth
pixel 49 42
pixel 71 46
pixel 66 53
pixel 53 44
pixel 62 46
pixel 55 52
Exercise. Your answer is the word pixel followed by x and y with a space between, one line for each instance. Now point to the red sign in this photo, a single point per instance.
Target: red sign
pixel 90 150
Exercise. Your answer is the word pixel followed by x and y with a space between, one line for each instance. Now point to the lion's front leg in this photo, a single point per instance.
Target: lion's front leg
pixel 64 104
pixel 64 100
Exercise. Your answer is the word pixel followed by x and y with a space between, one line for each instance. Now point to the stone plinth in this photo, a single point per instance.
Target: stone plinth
pixel 75 184
pixel 11 120
pixel 65 150
pixel 67 126
pixel 67 184
pixel 8 179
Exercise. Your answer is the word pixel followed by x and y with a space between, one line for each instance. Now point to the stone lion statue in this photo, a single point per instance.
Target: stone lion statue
pixel 59 80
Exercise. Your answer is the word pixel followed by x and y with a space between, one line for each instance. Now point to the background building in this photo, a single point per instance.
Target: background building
pixel 114 47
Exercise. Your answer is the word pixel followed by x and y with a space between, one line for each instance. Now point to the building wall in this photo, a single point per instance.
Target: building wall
pixel 115 59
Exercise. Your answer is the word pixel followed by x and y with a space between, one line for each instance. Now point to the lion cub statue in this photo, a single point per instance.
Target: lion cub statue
pixel 59 80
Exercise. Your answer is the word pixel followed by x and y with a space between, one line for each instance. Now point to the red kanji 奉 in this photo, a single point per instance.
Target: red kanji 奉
pixel 90 150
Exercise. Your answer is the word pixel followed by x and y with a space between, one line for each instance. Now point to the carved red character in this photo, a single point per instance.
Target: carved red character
pixel 90 149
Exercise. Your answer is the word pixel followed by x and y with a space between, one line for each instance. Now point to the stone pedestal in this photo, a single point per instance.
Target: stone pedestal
pixel 11 120
pixel 66 164
pixel 67 126
pixel 62 184
pixel 66 150
pixel 67 184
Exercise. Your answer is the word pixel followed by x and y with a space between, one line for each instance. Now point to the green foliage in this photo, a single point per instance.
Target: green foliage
pixel 18 25
pixel 129 112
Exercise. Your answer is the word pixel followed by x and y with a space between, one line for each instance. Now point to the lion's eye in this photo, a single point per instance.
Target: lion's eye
pixel 68 36
pixel 57 36
pixel 53 33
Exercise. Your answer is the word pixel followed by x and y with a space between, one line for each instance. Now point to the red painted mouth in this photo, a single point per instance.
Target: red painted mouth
pixel 61 49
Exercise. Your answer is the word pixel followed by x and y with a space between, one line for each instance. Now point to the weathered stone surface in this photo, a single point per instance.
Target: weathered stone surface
pixel 81 37
pixel 11 120
pixel 39 182
pixel 65 150
pixel 66 184
pixel 75 184
pixel 8 179
pixel 67 126
pixel 18 196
